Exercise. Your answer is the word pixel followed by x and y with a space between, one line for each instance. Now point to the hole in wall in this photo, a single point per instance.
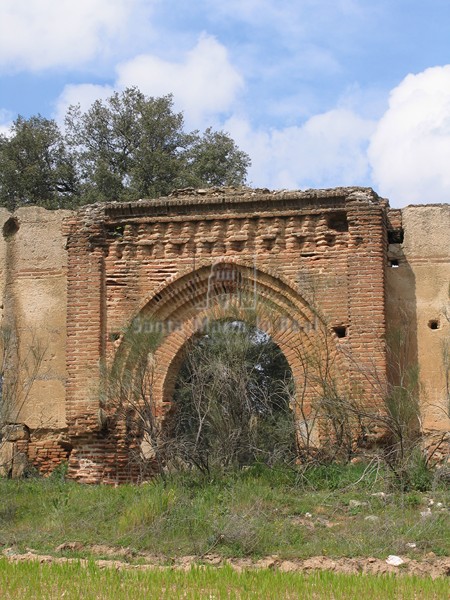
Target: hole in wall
pixel 209 247
pixel 178 248
pixel 340 331
pixel 10 227
pixel 394 263
pixel 395 236
pixel 433 323
pixel 147 249
pixel 330 240
pixel 337 221
pixel 110 281
pixel 269 243
pixel 238 245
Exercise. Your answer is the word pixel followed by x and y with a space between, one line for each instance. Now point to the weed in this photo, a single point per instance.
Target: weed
pixel 252 512
pixel 72 581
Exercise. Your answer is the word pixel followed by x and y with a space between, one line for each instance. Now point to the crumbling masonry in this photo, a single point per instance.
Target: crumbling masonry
pixel 72 282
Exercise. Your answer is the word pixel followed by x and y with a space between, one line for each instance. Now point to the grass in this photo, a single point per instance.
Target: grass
pixel 253 513
pixel 32 580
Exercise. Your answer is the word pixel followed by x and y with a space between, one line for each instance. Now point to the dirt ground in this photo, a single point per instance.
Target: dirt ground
pixel 123 558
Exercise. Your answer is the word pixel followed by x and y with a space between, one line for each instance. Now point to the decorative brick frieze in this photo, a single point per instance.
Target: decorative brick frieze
pixel 320 271
pixel 295 259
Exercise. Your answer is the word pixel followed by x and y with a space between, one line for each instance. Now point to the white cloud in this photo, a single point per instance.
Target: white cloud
pixel 204 84
pixel 410 150
pixel 83 94
pixel 328 150
pixel 40 34
pixel 6 120
pixel 296 20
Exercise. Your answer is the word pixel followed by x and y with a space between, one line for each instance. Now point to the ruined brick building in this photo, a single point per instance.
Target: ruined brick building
pixel 72 282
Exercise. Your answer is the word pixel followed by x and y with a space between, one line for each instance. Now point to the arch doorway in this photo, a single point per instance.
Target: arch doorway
pixel 232 400
pixel 180 320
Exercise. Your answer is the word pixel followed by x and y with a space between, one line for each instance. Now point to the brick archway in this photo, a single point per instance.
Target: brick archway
pixel 296 259
pixel 183 309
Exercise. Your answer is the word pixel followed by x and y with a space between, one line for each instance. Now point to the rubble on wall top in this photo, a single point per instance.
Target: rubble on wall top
pixel 228 196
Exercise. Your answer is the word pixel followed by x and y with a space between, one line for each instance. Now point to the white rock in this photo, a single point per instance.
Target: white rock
pixel 356 503
pixel 394 561
pixel 411 545
pixel 426 513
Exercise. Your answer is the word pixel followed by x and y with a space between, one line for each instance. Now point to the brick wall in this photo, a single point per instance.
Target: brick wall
pixel 316 259
pixel 325 271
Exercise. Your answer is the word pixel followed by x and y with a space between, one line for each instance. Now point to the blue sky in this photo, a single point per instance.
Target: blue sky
pixel 320 93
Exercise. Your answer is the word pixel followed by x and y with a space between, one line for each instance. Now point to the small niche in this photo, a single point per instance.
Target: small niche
pixel 395 236
pixel 330 240
pixel 110 281
pixel 394 263
pixel 147 249
pixel 209 247
pixel 238 245
pixel 178 248
pixel 337 221
pixel 11 227
pixel 433 324
pixel 117 231
pixel 269 242
pixel 340 331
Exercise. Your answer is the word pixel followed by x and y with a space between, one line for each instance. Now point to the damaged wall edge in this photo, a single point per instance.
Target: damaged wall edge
pixel 55 413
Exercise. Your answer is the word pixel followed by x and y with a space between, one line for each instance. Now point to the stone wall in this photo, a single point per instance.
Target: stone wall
pixel 418 299
pixel 33 280
pixel 337 262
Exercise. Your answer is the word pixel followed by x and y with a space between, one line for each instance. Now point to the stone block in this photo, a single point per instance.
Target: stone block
pixel 6 458
pixel 19 465
pixel 16 432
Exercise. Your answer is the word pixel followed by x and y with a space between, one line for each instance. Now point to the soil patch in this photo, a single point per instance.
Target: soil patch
pixel 118 558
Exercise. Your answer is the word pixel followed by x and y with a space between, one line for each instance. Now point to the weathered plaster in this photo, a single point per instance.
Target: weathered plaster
pixel 72 281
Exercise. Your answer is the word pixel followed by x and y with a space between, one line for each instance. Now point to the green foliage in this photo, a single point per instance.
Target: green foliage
pixel 127 147
pixel 253 512
pixel 231 402
pixel 60 472
pixel 214 160
pixel 34 581
pixel 35 166
pixel 336 476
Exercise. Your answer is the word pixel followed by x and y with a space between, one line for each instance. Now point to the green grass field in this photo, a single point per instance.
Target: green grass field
pixel 32 580
pixel 252 513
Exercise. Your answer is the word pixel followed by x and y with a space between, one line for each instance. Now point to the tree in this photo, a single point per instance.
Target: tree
pixel 35 167
pixel 133 146
pixel 231 406
pixel 19 371
pixel 215 160
pixel 127 147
